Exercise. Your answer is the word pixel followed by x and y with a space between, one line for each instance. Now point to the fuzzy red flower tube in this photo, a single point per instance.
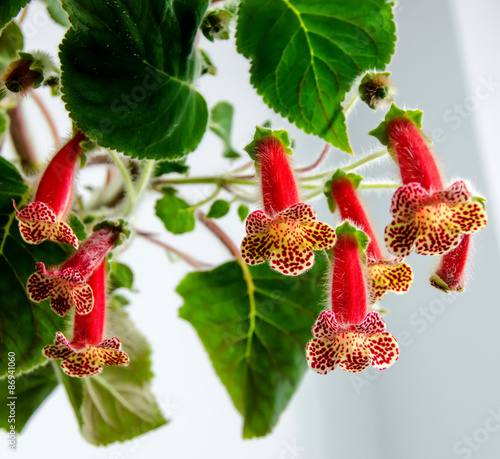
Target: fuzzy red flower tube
pixel 67 285
pixel 43 218
pixel 346 335
pixel 287 232
pixel 383 275
pixel 87 353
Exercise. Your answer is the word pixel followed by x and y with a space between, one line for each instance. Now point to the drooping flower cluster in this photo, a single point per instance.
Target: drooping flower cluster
pixel 346 335
pixel 287 231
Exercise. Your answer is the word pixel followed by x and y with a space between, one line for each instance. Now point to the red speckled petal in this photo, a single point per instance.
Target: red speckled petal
pixel 438 232
pixel 323 355
pixel 470 216
pixel 383 277
pixel 299 213
pixel 326 326
pixel 290 257
pixel 407 200
pixel 87 361
pixel 371 324
pixel 384 350
pixel 457 193
pixel 257 223
pixel 65 290
pixel 319 235
pixel 37 223
pixel 256 249
pixel 400 236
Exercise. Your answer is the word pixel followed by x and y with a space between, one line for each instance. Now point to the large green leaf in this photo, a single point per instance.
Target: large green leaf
pixel 117 404
pixel 31 389
pixel 306 54
pixel 25 327
pixel 9 9
pixel 128 68
pixel 255 330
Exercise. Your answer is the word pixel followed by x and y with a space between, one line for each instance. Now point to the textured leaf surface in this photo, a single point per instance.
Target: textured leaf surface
pixel 9 9
pixel 31 390
pixel 175 213
pixel 306 54
pixel 25 327
pixel 256 337
pixel 117 404
pixel 127 75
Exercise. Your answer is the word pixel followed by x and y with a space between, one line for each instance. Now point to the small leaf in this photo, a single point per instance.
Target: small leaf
pixel 11 41
pixel 175 213
pixel 243 212
pixel 166 167
pixel 31 389
pixel 128 70
pixel 219 209
pixel 255 332
pixel 25 327
pixel 221 121
pixel 57 13
pixel 120 276
pixel 306 55
pixel 117 404
pixel 9 9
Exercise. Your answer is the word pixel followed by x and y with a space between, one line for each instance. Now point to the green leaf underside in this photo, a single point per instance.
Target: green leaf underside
pixel 31 390
pixel 57 13
pixel 255 339
pixel 117 404
pixel 306 54
pixel 25 327
pixel 10 9
pixel 11 41
pixel 175 213
pixel 221 121
pixel 127 74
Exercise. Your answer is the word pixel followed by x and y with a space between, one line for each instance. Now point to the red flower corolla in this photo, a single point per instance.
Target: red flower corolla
pixel 287 232
pixel 43 218
pixel 346 335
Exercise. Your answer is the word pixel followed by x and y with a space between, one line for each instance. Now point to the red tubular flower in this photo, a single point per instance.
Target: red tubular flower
pixel 43 218
pixel 67 285
pixel 287 231
pixel 382 275
pixel 346 335
pixel 88 352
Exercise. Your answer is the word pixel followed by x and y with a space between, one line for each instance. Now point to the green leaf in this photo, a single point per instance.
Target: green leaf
pixel 121 276
pixel 117 404
pixel 11 41
pixel 306 55
pixel 175 213
pixel 218 209
pixel 128 69
pixel 4 123
pixel 57 13
pixel 25 327
pixel 221 121
pixel 243 212
pixel 254 325
pixel 166 167
pixel 78 227
pixel 9 9
pixel 31 389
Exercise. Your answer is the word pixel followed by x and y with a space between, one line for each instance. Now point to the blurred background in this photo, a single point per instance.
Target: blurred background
pixel 442 398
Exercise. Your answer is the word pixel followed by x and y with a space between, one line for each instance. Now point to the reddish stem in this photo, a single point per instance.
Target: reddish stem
pixel 348 281
pixel 89 328
pixel 56 185
pixel 20 139
pixel 47 115
pixel 350 208
pixel 452 267
pixel 279 189
pixel 416 162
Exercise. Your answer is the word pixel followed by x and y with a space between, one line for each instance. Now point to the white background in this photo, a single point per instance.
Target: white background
pixel 445 385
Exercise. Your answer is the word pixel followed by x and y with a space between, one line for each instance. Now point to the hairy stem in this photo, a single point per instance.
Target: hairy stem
pixel 316 163
pixel 20 138
pixel 127 180
pixel 47 115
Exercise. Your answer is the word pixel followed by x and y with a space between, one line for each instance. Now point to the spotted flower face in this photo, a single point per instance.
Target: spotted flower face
pixel 66 289
pixel 287 240
pixel 38 222
pixel 87 361
pixel 385 276
pixel 432 224
pixel 352 347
